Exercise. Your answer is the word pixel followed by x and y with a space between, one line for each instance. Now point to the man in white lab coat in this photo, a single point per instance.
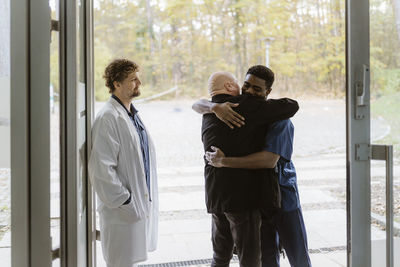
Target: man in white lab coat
pixel 122 169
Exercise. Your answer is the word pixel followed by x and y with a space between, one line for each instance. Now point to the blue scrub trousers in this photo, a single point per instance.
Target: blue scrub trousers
pixel 286 227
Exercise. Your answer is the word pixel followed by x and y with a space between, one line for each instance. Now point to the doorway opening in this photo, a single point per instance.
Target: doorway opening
pixel 178 44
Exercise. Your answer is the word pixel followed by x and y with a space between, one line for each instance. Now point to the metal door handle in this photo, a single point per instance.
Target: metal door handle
pixel 362 87
pixel 98 236
pixel 383 152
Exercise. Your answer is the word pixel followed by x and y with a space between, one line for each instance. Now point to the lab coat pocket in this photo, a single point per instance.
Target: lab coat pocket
pixel 128 213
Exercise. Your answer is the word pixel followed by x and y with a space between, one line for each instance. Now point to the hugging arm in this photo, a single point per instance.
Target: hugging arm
pixel 223 111
pixel 203 106
pixel 258 160
pixel 274 110
pixel 269 111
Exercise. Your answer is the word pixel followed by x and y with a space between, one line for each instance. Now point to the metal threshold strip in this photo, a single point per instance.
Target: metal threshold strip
pixel 234 259
pixel 185 263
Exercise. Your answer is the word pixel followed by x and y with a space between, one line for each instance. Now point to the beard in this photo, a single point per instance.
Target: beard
pixel 135 92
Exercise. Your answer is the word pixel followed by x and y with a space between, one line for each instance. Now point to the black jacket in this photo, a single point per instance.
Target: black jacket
pixel 233 189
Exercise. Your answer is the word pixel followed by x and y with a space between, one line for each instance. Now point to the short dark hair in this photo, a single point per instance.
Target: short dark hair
pixel 117 71
pixel 264 73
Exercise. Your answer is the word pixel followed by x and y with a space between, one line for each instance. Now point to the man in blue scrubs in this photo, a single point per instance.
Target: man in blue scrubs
pixel 286 226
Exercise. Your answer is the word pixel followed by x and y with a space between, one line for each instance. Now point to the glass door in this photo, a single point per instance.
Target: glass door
pixel 372 123
pixel 385 130
pixel 45 115
pixel 76 72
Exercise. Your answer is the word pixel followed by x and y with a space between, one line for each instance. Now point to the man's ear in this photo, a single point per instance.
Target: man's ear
pixel 116 84
pixel 268 91
pixel 228 86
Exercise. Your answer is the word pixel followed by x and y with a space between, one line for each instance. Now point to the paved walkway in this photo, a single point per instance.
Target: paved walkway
pixel 184 224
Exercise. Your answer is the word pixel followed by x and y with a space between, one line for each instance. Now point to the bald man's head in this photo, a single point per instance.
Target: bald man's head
pixel 223 82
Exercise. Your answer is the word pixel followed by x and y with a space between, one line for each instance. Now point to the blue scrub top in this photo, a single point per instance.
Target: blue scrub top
pixel 279 140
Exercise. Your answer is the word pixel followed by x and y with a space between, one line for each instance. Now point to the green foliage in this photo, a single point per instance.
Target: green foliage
pixel 385 81
pixel 103 56
pixel 388 107
pixel 181 42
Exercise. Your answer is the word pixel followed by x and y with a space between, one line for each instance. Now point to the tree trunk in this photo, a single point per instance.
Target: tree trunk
pixel 259 43
pixel 5 38
pixel 150 22
pixel 150 29
pixel 245 59
pixel 176 65
pixel 239 63
pixel 396 8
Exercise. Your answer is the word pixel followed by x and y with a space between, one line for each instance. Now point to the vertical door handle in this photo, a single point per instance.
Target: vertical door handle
pixel 384 152
pixel 363 87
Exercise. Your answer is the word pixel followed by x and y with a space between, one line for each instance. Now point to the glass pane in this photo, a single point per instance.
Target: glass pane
pixel 5 172
pixel 178 45
pixel 385 122
pixel 55 185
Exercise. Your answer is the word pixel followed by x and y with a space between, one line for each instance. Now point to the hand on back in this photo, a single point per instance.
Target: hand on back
pixel 225 113
pixel 215 158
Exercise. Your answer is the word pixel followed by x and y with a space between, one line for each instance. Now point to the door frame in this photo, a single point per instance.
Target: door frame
pixel 30 132
pixel 30 135
pixel 358 134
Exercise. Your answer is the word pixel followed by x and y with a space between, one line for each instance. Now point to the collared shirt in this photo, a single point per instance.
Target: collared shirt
pixel 144 140
pixel 279 140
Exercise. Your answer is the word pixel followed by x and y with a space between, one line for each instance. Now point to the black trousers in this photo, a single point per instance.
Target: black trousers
pixel 236 229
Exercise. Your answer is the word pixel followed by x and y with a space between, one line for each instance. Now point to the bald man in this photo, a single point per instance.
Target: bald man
pixel 235 196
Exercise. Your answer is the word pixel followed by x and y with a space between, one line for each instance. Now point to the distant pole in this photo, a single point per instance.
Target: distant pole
pixel 267 45
pixel 267 41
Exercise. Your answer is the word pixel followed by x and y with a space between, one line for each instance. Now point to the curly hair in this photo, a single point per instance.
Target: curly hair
pixel 264 73
pixel 117 71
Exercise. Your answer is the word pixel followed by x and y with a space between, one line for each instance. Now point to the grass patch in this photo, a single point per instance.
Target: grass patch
pixel 388 107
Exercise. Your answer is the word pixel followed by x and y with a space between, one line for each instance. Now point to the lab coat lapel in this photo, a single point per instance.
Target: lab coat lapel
pixel 132 129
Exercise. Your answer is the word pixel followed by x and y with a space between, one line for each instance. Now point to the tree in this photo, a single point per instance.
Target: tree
pixel 396 8
pixel 181 42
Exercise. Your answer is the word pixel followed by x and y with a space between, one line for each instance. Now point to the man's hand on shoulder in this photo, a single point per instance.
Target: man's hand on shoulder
pixel 225 113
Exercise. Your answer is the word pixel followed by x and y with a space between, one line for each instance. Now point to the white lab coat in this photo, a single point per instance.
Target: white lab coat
pixel 116 168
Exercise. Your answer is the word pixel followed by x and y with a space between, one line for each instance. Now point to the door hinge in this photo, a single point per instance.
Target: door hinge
pixel 55 25
pixel 363 152
pixel 55 254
